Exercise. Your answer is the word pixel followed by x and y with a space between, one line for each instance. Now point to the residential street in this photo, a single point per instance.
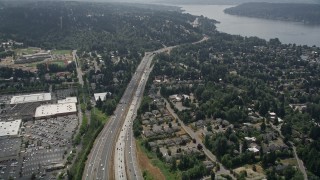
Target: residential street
pixel 207 152
pixel 301 166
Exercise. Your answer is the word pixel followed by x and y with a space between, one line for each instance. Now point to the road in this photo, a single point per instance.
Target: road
pixel 301 166
pixel 126 165
pixel 79 72
pixel 101 158
pixel 207 152
pixel 131 163
pixel 107 159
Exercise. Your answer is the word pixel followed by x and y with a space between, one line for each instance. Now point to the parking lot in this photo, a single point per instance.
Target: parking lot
pixel 9 168
pixel 63 93
pixel 35 159
pixel 19 111
pixel 54 132
pixel 9 147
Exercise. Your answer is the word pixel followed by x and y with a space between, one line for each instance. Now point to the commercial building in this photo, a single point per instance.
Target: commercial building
pixel 41 97
pixel 32 58
pixel 10 128
pixel 54 110
pixel 68 100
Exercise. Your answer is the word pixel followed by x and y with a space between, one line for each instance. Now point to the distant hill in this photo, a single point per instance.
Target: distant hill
pixel 181 2
pixel 305 13
pixel 229 2
pixel 87 25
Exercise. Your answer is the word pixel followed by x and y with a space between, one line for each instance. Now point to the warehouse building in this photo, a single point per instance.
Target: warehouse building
pixel 30 98
pixel 10 128
pixel 54 110
pixel 32 58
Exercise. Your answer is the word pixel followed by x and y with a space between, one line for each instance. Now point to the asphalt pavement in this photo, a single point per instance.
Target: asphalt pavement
pixel 78 68
pixel 107 159
pixel 100 163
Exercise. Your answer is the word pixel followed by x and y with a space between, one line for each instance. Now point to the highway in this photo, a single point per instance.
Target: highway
pixel 126 165
pixel 108 158
pixel 100 163
pixel 126 160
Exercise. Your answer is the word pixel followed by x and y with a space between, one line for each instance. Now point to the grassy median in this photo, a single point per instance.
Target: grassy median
pixel 97 121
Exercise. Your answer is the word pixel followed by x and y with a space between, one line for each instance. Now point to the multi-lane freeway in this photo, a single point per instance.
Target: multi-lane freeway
pixel 113 153
pixel 126 165
pixel 125 160
pixel 100 163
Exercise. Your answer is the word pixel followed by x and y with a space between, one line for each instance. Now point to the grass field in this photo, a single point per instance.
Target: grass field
pixel 33 65
pixel 59 63
pixel 100 115
pixel 289 161
pixel 29 50
pixel 151 163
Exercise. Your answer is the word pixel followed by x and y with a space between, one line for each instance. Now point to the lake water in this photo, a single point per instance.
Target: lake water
pixel 287 32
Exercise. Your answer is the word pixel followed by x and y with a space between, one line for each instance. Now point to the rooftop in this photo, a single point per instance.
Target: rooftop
pixel 30 98
pixel 253 149
pixel 101 95
pixel 10 128
pixel 55 109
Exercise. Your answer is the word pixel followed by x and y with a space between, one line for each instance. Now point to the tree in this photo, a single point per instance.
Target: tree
pixel 245 146
pixel 271 174
pixel 212 175
pixel 264 108
pixel 99 103
pixel 254 168
pixel 234 115
pixel 33 176
pixel 89 106
pixel 200 115
pixel 289 173
pixel 173 164
pixel 286 129
pixel 315 132
pixel 158 152
pixel 263 127
pixel 220 146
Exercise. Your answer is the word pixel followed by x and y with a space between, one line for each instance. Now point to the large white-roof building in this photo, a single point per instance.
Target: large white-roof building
pixel 52 110
pixel 68 100
pixel 10 128
pixel 30 98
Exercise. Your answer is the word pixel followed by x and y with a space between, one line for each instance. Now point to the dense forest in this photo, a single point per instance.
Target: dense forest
pixel 305 13
pixel 87 26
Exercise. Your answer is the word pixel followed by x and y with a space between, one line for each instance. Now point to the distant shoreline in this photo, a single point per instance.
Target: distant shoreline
pixel 308 14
